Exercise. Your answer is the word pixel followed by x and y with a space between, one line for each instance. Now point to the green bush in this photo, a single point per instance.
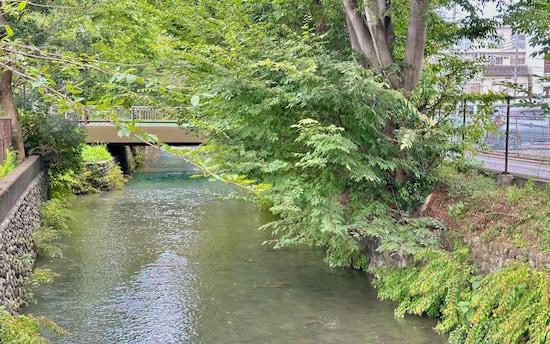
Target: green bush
pixel 95 153
pixel 23 329
pixel 55 220
pixel 510 306
pixel 8 165
pixel 58 139
pixel 66 185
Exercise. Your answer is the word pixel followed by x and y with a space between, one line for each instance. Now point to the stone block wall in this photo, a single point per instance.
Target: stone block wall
pixel 100 171
pixel 17 253
pixel 489 256
pixel 493 256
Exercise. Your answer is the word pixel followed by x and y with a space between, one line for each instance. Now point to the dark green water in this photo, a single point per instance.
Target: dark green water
pixel 167 261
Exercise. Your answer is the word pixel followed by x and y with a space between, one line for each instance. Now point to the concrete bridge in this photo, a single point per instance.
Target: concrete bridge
pixel 101 128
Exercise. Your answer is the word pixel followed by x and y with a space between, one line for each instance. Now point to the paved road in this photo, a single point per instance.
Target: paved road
pixel 518 167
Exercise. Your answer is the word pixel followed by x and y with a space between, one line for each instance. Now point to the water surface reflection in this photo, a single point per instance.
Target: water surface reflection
pixel 167 261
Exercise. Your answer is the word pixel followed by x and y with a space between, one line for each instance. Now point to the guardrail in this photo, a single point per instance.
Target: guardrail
pixel 134 113
pixel 5 137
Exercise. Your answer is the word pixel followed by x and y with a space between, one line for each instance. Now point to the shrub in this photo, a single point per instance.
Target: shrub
pixel 8 165
pixel 94 153
pixel 510 306
pixel 58 139
pixel 54 223
pixel 23 329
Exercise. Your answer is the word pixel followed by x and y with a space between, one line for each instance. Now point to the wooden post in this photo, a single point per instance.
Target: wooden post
pixel 5 137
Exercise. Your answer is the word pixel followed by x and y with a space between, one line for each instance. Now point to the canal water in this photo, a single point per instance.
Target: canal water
pixel 167 260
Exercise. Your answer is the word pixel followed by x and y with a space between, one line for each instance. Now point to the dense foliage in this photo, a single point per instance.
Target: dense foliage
pixel 510 306
pixel 292 116
pixel 285 100
pixel 58 139
pixel 8 165
pixel 22 329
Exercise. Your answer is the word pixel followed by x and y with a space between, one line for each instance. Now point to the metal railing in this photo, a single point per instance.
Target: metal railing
pixel 525 137
pixel 516 139
pixel 134 113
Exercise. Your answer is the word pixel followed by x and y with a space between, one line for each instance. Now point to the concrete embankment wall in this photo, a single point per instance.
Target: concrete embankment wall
pixel 21 193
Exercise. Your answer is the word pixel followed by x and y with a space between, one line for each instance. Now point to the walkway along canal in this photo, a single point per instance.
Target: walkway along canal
pixel 167 261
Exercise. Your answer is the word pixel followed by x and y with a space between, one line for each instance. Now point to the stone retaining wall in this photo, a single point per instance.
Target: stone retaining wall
pixel 17 253
pixel 493 256
pixel 489 256
pixel 100 171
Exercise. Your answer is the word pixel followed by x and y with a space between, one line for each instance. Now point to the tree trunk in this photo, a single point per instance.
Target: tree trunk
pixel 415 45
pixel 10 111
pixel 373 36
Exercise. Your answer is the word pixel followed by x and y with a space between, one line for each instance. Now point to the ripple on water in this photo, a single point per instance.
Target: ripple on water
pixel 159 304
pixel 163 261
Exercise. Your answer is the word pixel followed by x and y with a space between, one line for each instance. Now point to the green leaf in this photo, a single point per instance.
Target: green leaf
pixel 131 78
pixel 9 30
pixel 150 137
pixel 195 100
pixel 21 6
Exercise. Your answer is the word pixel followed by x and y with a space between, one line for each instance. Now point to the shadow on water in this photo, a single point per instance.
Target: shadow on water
pixel 167 261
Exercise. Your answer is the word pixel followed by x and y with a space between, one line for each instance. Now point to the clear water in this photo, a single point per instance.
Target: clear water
pixel 167 261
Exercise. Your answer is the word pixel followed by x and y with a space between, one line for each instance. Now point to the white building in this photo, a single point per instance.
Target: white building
pixel 506 61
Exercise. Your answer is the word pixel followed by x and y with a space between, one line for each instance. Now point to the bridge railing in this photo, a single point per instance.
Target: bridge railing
pixel 134 113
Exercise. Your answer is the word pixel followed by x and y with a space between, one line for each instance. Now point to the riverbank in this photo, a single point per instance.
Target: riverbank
pixel 491 281
pixel 498 222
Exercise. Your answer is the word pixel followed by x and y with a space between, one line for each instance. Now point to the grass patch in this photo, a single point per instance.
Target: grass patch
pixel 472 200
pixel 95 153
pixel 8 165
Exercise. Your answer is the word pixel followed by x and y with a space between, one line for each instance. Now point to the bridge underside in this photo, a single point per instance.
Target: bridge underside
pixel 170 134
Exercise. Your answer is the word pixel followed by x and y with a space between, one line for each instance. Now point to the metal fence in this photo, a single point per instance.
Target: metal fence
pixel 516 139
pixel 5 138
pixel 134 113
pixel 520 136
